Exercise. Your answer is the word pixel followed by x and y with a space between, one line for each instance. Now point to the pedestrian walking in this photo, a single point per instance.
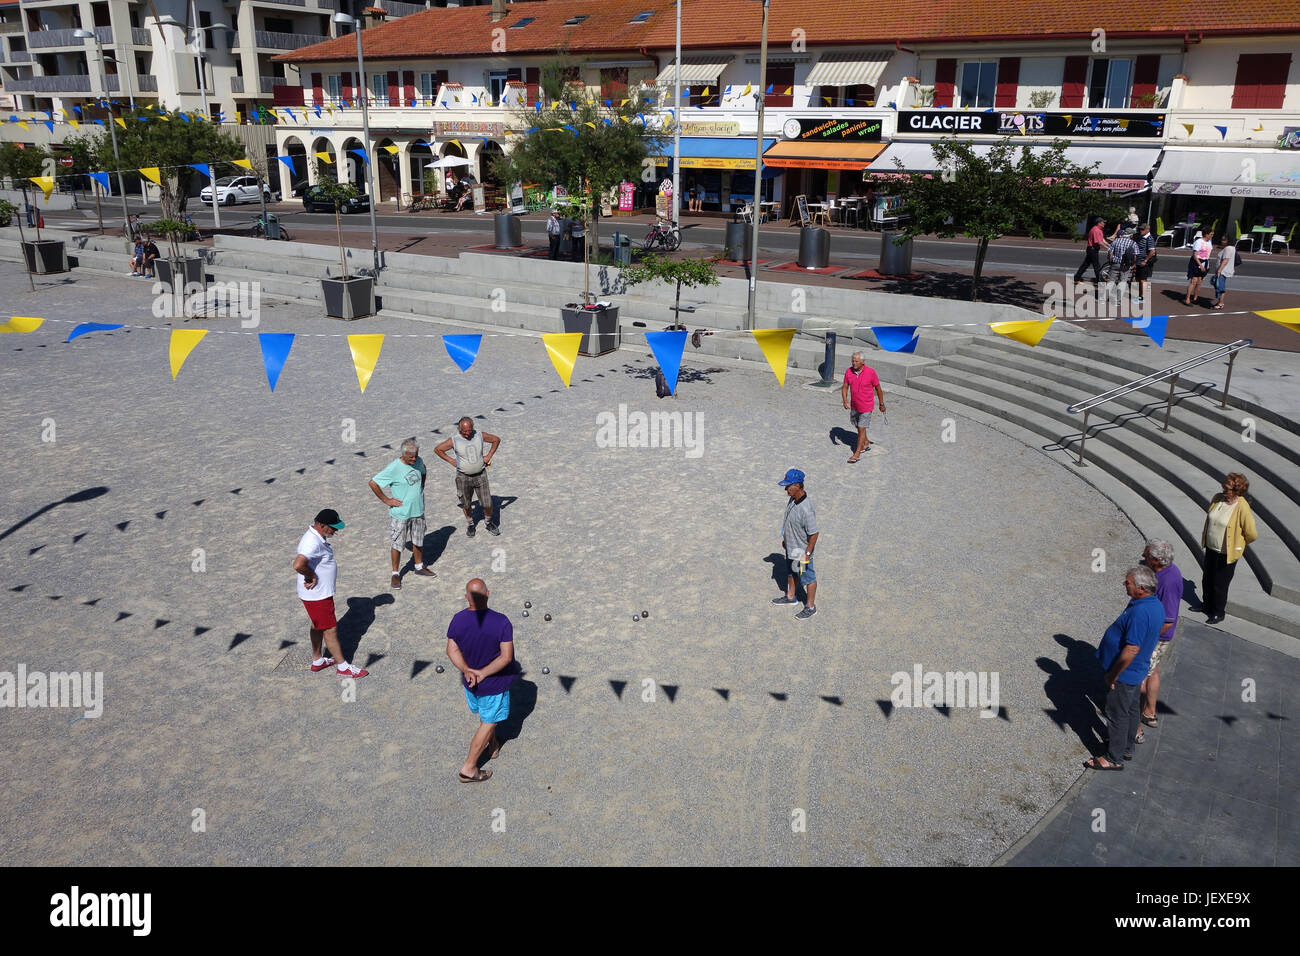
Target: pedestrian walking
pixel 1092 255
pixel 471 466
pixel 859 392
pixel 480 644
pixel 1229 527
pixel 554 228
pixel 798 539
pixel 406 476
pixel 1226 268
pixel 1122 259
pixel 578 236
pixel 1145 254
pixel 317 578
pixel 1125 654
pixel 1197 267
pixel 1159 557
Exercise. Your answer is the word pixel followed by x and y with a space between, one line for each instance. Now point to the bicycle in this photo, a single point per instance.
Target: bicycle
pixel 664 234
pixel 259 228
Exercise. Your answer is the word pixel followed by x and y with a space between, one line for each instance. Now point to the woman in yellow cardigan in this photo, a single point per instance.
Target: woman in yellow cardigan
pixel 1229 527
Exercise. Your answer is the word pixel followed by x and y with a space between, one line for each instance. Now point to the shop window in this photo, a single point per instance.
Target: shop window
pixel 1109 84
pixel 978 84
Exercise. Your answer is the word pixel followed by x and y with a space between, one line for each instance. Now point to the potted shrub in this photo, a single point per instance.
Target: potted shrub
pixel 177 269
pixel 44 256
pixel 7 210
pixel 347 297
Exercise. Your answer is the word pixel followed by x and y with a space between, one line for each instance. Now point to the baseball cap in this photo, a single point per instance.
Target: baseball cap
pixel 793 476
pixel 330 517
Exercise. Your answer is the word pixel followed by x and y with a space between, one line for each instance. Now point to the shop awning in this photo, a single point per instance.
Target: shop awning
pixel 697 68
pixel 793 154
pixel 715 152
pixel 849 69
pixel 1118 168
pixel 1253 173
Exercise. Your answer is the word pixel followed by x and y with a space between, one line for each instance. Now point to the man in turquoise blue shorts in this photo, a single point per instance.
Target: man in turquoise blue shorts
pixel 480 644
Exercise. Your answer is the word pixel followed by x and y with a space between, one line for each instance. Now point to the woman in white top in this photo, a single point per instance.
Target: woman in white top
pixel 1197 267
pixel 1225 269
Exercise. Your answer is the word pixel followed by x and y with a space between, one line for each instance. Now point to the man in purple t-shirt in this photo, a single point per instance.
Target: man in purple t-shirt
pixel 1159 557
pixel 481 646
pixel 860 390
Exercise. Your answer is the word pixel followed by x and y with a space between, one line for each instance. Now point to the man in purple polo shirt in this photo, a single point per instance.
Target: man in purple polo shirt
pixel 481 646
pixel 860 390
pixel 1159 557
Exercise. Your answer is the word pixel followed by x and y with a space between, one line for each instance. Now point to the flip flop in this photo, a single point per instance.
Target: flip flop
pixel 1094 765
pixel 853 460
pixel 477 778
pixel 1151 721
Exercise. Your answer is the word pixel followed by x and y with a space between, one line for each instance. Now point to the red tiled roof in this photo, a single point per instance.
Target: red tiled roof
pixel 467 31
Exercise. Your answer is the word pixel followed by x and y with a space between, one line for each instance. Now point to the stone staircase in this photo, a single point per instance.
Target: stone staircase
pixel 1161 479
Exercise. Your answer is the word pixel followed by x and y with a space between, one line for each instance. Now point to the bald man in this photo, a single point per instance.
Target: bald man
pixel 480 644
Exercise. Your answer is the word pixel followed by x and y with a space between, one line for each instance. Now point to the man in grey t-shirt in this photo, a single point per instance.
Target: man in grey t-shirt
pixel 799 538
pixel 471 464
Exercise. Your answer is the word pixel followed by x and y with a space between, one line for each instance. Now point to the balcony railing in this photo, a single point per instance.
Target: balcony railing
pixel 11 26
pixel 68 83
pixel 43 39
pixel 401 9
pixel 265 84
pixel 286 41
pixel 286 3
pixel 19 56
pixel 236 84
pixel 141 36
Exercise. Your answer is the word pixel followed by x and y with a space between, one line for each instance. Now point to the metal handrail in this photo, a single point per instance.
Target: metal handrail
pixel 1172 373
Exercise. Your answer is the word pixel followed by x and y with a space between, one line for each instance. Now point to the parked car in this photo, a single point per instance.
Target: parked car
pixel 313 201
pixel 233 189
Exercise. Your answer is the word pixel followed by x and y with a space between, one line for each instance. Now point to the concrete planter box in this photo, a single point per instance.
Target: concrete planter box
pixel 599 328
pixel 46 256
pixel 349 298
pixel 189 272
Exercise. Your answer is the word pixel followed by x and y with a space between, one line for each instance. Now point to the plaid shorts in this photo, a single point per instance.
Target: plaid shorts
pixel 860 419
pixel 1161 653
pixel 466 485
pixel 400 529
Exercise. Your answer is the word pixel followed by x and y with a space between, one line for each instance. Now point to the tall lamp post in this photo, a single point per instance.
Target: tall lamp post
pixel 677 123
pixel 112 131
pixel 758 171
pixel 343 18
pixel 198 42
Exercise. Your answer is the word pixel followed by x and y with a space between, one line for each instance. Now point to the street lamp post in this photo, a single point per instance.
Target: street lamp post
pixel 677 122
pixel 758 171
pixel 112 132
pixel 344 18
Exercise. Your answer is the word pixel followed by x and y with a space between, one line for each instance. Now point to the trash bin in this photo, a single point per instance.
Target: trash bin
pixel 895 259
pixel 272 226
pixel 737 241
pixel 507 232
pixel 622 249
pixel 814 248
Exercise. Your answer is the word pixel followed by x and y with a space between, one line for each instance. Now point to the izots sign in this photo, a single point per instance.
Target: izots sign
pixel 1025 123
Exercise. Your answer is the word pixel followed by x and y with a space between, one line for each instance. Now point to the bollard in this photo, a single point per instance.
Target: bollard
pixel 828 365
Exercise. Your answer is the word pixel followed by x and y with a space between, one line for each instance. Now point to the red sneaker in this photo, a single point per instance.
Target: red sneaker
pixel 327 662
pixel 350 670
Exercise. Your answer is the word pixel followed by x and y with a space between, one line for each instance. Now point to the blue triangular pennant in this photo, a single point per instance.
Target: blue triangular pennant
pixel 463 349
pixel 896 338
pixel 668 348
pixel 275 349
pixel 85 328
pixel 1154 327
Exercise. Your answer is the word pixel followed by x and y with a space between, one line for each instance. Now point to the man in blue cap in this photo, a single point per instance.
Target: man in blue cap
pixel 799 538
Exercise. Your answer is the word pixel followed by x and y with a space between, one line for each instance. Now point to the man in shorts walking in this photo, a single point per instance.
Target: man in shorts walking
pixel 799 537
pixel 480 644
pixel 471 466
pixel 317 574
pixel 860 390
pixel 405 475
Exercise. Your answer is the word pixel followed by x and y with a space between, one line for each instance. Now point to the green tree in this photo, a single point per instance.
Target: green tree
pixel 171 143
pixel 584 144
pixel 1011 189
pixel 331 190
pixel 679 272
pixel 21 164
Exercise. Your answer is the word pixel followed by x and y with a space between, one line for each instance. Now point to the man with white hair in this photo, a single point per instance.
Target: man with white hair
pixel 1125 653
pixel 1159 557
pixel 859 392
pixel 405 476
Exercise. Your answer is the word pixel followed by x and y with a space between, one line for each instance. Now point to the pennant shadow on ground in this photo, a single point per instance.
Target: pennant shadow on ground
pixel 86 494
pixel 356 621
pixel 1076 692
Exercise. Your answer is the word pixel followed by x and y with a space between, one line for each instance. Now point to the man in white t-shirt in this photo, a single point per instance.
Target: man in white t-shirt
pixel 317 574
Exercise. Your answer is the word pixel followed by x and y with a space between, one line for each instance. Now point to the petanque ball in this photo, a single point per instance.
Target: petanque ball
pixel 528 604
pixel 525 613
pixel 635 618
pixel 546 670
pixel 439 668
pixel 645 613
pixel 546 617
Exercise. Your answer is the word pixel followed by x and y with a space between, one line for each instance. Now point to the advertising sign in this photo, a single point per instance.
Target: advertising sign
pixel 1071 125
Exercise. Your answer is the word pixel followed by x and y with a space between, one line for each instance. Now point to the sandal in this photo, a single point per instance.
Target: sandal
pixel 1150 721
pixel 477 778
pixel 1217 305
pixel 1095 764
pixel 1141 737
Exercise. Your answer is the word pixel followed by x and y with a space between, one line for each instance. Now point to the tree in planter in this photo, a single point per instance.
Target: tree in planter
pixel 690 273
pixel 338 193
pixel 580 143
pixel 20 165
pixel 1011 189
pixel 175 231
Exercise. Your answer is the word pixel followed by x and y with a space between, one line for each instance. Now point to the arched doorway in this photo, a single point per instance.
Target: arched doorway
pixel 325 169
pixel 387 179
pixel 422 180
pixel 355 165
pixel 293 181
pixel 487 158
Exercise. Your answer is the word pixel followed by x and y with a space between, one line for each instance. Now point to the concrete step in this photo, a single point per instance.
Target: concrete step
pixel 1186 467
pixel 1246 600
pixel 1180 514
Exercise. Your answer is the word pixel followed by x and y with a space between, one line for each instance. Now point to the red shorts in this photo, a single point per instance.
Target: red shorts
pixel 321 613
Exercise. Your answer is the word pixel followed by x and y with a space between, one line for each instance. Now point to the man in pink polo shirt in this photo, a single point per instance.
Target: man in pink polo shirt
pixel 1092 256
pixel 860 390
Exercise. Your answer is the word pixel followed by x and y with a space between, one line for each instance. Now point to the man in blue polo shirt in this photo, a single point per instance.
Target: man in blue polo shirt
pixel 1125 653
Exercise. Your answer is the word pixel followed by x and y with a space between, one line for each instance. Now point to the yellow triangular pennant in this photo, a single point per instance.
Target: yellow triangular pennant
pixel 1030 331
pixel 365 355
pixel 392 150
pixel 21 323
pixel 119 121
pixel 152 174
pixel 706 92
pixel 46 183
pixel 562 347
pixel 325 157
pixel 1189 127
pixel 1290 318
pixel 182 344
pixel 23 124
pixel 74 124
pixel 246 164
pixel 749 88
pixel 775 344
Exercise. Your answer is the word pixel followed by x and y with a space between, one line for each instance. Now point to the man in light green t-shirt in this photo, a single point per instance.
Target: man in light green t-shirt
pixel 405 477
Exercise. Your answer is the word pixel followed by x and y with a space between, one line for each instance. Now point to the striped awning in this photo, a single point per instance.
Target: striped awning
pixel 697 68
pixel 849 69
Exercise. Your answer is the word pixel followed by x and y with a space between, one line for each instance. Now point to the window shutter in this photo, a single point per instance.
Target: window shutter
pixel 408 87
pixel 317 94
pixel 945 82
pixel 1261 81
pixel 394 89
pixel 1146 70
pixel 1008 80
pixel 1073 82
pixel 533 77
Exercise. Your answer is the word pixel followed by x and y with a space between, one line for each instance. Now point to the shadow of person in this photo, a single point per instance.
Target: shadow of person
pixel 356 620
pixel 435 543
pixel 1076 691
pixel 523 701
pixel 842 436
pixel 1191 596
pixel 780 569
